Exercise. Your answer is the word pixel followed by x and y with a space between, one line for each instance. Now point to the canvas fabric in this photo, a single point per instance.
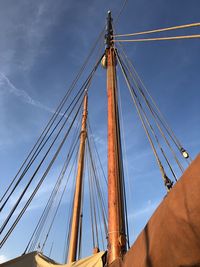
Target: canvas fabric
pixel 171 237
pixel 38 260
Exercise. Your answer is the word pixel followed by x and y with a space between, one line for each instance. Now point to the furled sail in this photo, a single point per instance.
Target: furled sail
pixel 36 259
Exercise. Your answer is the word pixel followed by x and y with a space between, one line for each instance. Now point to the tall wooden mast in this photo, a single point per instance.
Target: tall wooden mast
pixel 78 189
pixel 116 224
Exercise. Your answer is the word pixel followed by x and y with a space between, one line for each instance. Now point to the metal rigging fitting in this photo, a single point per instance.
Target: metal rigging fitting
pixel 184 153
pixel 168 182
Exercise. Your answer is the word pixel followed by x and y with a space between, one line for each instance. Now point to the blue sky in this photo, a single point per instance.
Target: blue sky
pixel 42 46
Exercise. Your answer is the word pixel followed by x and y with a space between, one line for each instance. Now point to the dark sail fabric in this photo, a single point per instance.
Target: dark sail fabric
pixel 171 238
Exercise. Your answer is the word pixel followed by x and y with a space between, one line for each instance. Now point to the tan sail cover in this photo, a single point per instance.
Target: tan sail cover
pixel 171 238
pixel 35 259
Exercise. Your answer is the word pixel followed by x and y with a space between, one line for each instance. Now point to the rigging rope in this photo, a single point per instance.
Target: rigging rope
pixel 125 161
pixel 152 112
pixel 121 11
pixel 194 36
pixel 98 187
pixel 95 173
pixel 56 113
pixel 36 153
pixel 51 248
pixel 159 30
pixel 37 169
pixel 122 189
pixel 96 150
pixel 97 208
pixel 64 189
pixel 94 211
pixel 67 235
pixel 121 163
pixel 37 187
pixel 81 216
pixel 155 113
pixel 43 218
pixel 168 183
pixel 91 208
pixel 18 201
pixel 157 140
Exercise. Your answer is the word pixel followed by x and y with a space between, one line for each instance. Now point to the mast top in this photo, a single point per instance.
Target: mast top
pixel 109 31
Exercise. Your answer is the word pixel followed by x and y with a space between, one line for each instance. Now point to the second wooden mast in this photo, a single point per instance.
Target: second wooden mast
pixel 75 224
pixel 116 217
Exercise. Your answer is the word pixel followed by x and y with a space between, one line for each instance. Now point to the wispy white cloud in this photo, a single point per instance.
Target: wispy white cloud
pixel 6 84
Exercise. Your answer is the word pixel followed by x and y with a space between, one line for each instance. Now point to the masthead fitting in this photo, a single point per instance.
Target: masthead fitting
pixel 109 31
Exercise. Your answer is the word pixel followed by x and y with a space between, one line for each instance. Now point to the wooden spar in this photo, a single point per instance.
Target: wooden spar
pixel 78 189
pixel 116 225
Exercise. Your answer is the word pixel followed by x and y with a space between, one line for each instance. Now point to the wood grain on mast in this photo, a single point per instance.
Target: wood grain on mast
pixel 75 223
pixel 116 221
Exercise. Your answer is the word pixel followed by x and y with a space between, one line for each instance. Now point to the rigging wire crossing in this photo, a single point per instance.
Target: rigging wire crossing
pixel 27 186
pixel 37 187
pixel 153 113
pixel 54 116
pixel 41 223
pixel 43 142
pixel 168 183
pixel 153 108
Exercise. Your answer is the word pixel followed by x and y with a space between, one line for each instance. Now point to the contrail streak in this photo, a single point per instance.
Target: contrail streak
pixel 23 95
